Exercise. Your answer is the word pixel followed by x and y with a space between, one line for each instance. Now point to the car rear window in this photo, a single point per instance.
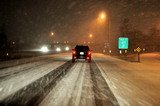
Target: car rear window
pixel 82 48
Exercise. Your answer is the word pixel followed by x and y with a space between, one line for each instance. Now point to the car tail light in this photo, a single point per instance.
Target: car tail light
pixel 89 53
pixel 73 51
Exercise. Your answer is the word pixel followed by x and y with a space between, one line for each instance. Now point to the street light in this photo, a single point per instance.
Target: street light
pixel 102 17
pixel 52 33
pixel 51 36
pixel 90 35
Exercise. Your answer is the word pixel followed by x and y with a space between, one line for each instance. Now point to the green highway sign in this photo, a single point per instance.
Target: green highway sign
pixel 122 43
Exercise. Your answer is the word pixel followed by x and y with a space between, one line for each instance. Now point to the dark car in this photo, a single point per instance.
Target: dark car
pixel 81 52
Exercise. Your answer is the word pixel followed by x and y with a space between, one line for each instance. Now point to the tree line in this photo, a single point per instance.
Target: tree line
pixel 149 42
pixel 3 38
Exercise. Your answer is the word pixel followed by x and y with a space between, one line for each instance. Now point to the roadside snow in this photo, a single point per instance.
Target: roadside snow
pixel 10 63
pixel 11 71
pixel 12 84
pixel 15 62
pixel 132 83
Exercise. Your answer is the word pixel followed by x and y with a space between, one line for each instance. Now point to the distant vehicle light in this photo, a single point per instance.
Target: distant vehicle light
pixel 58 49
pixel 67 48
pixel 44 49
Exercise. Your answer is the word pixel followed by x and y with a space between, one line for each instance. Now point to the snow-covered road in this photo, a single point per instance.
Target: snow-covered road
pixel 133 84
pixel 104 81
pixel 82 86
pixel 70 87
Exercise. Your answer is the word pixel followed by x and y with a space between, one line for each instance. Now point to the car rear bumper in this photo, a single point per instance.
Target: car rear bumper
pixel 81 57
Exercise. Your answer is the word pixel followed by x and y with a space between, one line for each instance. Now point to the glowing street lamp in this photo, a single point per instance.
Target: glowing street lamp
pixel 52 33
pixel 102 17
pixel 90 35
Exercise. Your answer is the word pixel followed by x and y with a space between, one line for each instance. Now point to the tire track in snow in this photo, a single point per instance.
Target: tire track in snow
pixel 102 93
pixel 82 86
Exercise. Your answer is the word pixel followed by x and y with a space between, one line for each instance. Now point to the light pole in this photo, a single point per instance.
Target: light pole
pixel 90 38
pixel 109 26
pixel 101 19
pixel 51 35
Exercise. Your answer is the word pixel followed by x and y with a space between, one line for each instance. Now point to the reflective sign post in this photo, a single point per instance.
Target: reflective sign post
pixel 138 49
pixel 138 57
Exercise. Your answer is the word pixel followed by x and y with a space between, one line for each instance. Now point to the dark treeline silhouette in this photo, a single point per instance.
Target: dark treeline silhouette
pixel 137 38
pixel 3 38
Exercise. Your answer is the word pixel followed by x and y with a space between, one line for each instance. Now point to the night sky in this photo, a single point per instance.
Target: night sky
pixel 33 20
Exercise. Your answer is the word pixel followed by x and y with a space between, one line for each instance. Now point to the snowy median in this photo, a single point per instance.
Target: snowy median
pixel 31 90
